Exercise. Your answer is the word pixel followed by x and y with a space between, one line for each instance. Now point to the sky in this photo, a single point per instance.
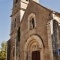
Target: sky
pixel 6 10
pixel 5 19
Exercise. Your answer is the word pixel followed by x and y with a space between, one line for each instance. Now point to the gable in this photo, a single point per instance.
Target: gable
pixel 38 10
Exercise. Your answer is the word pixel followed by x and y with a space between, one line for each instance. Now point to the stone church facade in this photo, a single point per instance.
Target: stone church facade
pixel 35 32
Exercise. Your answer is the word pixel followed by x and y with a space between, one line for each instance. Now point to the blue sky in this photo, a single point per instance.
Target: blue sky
pixel 5 12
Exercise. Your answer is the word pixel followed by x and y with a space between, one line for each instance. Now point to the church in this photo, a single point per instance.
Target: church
pixel 35 32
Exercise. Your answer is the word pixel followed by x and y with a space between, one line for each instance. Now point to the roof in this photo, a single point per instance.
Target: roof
pixel 45 7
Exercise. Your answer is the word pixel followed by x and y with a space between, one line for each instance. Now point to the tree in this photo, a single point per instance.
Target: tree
pixel 3 51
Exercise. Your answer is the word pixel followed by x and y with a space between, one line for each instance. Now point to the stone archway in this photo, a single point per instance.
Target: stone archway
pixel 33 43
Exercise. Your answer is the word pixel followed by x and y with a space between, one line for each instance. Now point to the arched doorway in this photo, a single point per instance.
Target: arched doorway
pixel 33 49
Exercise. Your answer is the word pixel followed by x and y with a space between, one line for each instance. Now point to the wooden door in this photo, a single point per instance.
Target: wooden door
pixel 35 55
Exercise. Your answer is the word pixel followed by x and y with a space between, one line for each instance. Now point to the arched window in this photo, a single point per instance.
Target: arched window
pixel 15 23
pixel 18 34
pixel 31 21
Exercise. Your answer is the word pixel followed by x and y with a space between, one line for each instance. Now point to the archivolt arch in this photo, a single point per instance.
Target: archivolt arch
pixel 33 43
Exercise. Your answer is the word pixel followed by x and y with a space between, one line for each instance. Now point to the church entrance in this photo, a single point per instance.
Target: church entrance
pixel 33 49
pixel 35 55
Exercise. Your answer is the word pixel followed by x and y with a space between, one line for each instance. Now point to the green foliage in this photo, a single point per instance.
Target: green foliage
pixel 3 51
